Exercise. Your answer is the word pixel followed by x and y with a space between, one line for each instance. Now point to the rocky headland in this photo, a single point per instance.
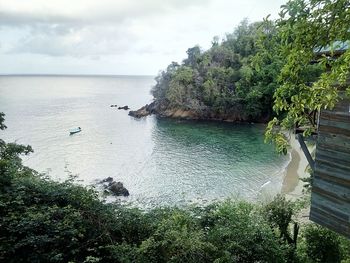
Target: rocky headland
pixel 161 109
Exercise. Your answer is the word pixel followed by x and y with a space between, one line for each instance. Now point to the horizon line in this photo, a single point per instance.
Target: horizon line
pixel 74 75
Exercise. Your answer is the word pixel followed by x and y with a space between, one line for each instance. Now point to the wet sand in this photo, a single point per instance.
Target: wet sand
pixel 291 179
pixel 292 186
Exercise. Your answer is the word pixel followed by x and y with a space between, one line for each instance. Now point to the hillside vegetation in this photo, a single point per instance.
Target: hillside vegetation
pixel 234 80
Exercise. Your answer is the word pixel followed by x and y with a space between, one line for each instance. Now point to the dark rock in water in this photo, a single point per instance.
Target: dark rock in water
pixel 146 110
pixel 113 187
pixel 139 113
pixel 118 189
pixel 107 180
pixel 123 108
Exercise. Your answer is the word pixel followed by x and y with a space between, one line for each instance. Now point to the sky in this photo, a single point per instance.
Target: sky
pixel 114 37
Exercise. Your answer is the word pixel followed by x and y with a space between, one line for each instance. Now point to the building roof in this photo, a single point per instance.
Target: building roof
pixel 338 47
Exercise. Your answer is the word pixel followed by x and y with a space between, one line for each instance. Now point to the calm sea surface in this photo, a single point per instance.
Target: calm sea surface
pixel 160 161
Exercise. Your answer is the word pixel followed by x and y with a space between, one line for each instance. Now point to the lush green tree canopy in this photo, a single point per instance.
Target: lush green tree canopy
pixel 305 28
pixel 233 77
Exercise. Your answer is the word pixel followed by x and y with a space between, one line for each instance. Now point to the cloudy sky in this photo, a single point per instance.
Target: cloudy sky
pixel 126 37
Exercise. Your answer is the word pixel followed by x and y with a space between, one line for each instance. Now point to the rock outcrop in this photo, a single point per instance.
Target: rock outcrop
pixel 162 109
pixel 153 108
pixel 144 111
pixel 107 180
pixel 126 107
pixel 113 187
pixel 118 189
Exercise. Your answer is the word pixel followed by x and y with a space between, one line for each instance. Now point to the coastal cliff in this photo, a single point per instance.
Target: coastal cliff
pixel 231 81
pixel 162 110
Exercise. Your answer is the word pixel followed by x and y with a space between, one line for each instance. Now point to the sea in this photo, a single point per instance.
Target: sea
pixel 162 162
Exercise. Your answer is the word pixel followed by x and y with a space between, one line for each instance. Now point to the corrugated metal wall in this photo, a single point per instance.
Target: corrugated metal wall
pixel 330 198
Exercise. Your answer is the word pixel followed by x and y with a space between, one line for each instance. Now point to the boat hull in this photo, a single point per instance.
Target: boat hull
pixel 74 131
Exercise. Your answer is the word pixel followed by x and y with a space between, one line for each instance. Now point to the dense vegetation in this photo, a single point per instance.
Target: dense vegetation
pixel 46 221
pixel 233 80
pixel 305 29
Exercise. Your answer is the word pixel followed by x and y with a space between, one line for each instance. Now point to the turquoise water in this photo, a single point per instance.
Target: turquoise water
pixel 160 161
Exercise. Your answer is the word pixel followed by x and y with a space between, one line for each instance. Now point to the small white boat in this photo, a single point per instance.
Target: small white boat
pixel 71 132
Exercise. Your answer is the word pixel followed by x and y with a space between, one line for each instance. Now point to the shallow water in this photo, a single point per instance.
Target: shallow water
pixel 160 161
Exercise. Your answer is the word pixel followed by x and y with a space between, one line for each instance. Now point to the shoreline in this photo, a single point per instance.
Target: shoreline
pixel 292 186
pixel 156 108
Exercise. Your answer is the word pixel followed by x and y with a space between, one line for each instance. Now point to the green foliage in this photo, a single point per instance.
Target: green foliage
pixel 308 79
pixel 232 78
pixel 10 161
pixel 279 214
pixel 178 238
pixel 241 234
pixel 321 244
pixel 47 221
pixel 324 245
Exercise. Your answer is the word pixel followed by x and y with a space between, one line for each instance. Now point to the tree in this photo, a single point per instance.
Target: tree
pixel 163 80
pixel 322 244
pixel 193 55
pixel 305 28
pixel 229 79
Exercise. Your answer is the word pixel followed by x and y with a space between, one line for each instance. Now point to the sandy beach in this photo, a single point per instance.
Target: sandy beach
pixel 292 186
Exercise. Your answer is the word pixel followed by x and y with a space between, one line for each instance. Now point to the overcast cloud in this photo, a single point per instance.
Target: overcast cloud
pixel 114 36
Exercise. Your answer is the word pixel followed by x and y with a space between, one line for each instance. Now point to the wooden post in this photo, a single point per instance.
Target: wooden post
pixel 306 151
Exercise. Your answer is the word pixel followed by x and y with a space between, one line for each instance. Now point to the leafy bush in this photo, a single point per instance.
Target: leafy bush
pixel 241 234
pixel 177 238
pixel 322 245
pixel 279 214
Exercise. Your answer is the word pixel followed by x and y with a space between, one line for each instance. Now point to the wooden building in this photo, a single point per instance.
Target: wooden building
pixel 330 196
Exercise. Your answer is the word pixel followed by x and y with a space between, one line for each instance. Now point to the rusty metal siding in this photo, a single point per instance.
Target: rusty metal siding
pixel 330 198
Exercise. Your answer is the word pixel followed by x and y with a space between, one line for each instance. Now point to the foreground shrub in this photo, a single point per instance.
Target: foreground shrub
pixel 177 238
pixel 241 234
pixel 322 245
